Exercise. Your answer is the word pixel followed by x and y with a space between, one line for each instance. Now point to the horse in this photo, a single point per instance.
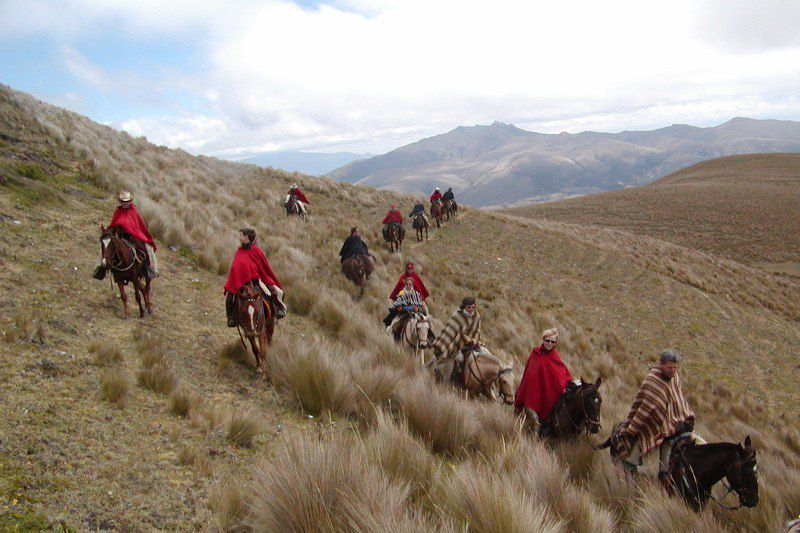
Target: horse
pixel 484 372
pixel 255 315
pixel 695 468
pixel 450 209
pixel 128 264
pixel 575 411
pixel 420 224
pixel 416 332
pixel 393 234
pixel 437 212
pixel 293 208
pixel 358 269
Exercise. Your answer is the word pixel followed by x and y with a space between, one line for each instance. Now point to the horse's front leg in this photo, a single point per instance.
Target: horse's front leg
pixel 254 347
pixel 124 297
pixel 262 352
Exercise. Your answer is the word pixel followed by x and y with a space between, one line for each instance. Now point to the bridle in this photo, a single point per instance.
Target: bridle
pixel 119 256
pixel 587 420
pixel 496 379
pixel 256 332
pixel 737 484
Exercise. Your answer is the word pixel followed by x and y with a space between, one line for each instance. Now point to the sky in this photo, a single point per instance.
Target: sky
pixel 237 77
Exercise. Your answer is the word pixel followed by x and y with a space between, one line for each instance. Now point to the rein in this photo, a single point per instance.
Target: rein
pixel 695 494
pixel 482 381
pixel 239 327
pixel 586 418
pixel 119 256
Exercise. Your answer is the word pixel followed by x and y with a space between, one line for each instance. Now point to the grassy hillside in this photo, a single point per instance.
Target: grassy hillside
pixel 346 433
pixel 740 207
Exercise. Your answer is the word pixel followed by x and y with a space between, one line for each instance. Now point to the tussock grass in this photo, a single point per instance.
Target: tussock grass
pixel 326 485
pixel 190 456
pixel 243 428
pixel 438 417
pixel 654 511
pixel 183 402
pixel 114 386
pixel 158 378
pixel 233 352
pixel 26 326
pixel 229 502
pixel 104 354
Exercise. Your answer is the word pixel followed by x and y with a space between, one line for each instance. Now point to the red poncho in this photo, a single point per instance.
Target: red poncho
pixel 393 216
pixel 130 221
pixel 300 195
pixel 249 264
pixel 544 380
pixel 436 196
pixel 418 286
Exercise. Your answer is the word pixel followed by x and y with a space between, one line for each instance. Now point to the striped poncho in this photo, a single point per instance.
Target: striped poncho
pixel 657 411
pixel 458 332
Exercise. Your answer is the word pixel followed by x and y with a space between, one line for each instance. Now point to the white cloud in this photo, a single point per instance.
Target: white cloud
pixel 370 75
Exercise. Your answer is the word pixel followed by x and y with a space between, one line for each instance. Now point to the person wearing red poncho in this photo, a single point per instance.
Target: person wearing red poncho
pixel 436 195
pixel 544 380
pixel 250 264
pixel 418 286
pixel 302 201
pixel 128 219
pixel 393 216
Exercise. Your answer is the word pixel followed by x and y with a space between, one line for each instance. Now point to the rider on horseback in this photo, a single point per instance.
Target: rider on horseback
pixel 407 303
pixel 353 245
pixel 546 377
pixel 436 195
pixel 393 216
pixel 418 285
pixel 462 332
pixel 250 264
pixel 128 219
pixel 419 209
pixel 297 194
pixel 659 414
pixel 448 195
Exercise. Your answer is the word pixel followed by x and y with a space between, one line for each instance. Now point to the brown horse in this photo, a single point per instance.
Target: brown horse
pixel 696 468
pixel 420 224
pixel 437 212
pixel 255 315
pixel 575 411
pixel 358 269
pixel 450 209
pixel 484 373
pixel 128 264
pixel 393 234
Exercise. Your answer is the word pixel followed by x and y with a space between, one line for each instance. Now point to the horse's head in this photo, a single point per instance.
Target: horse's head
pixel 250 307
pixel 591 400
pixel 742 475
pixel 422 326
pixel 109 245
pixel 505 381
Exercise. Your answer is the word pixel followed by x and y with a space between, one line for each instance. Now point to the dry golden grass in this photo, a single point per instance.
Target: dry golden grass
pixel 244 428
pixel 158 378
pixel 183 402
pixel 105 354
pixel 228 500
pixel 114 386
pixel 27 326
pixel 190 456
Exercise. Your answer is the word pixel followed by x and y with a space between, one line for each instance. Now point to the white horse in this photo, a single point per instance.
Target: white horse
pixel 485 372
pixel 415 335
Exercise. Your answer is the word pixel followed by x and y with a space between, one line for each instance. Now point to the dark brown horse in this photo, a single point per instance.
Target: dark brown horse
pixel 437 212
pixel 393 234
pixel 696 468
pixel 575 411
pixel 358 269
pixel 255 315
pixel 128 264
pixel 421 225
pixel 450 209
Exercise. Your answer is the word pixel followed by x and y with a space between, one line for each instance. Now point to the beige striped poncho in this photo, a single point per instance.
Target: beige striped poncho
pixel 458 331
pixel 657 411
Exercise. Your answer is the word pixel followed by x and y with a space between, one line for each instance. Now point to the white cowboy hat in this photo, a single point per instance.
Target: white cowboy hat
pixel 294 185
pixel 125 196
pixel 436 189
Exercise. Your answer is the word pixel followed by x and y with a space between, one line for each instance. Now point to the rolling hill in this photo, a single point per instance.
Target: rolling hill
pixel 745 208
pixel 502 165
pixel 161 424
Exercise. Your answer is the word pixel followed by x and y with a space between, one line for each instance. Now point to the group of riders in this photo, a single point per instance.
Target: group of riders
pixel 659 413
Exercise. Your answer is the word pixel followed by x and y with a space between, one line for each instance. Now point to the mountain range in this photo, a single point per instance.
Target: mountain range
pixel 500 165
pixel 311 163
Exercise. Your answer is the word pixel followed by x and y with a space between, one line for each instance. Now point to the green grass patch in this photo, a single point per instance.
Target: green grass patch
pixel 30 171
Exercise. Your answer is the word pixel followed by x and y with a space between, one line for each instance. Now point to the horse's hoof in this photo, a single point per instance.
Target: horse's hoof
pixel 259 370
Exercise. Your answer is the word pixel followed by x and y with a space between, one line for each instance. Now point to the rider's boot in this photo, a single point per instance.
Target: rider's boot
pixel 99 273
